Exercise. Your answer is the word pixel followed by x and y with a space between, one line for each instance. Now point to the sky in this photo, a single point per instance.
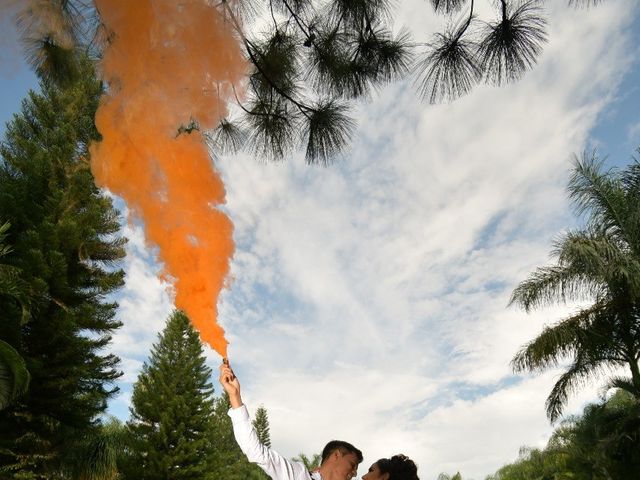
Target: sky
pixel 368 299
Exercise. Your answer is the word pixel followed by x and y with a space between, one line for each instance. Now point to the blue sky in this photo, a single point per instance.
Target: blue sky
pixel 368 299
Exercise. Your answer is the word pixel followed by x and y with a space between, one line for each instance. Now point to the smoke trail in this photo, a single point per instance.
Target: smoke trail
pixel 169 66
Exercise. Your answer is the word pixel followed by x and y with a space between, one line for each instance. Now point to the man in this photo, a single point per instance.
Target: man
pixel 339 459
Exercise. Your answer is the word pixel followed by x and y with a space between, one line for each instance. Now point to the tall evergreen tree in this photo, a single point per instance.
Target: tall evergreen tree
pixel 172 407
pixel 65 240
pixel 261 425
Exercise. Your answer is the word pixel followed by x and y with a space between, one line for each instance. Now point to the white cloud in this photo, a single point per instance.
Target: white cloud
pixel 633 134
pixel 369 299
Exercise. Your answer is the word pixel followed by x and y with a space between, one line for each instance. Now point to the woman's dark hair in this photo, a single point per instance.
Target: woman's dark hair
pixel 399 467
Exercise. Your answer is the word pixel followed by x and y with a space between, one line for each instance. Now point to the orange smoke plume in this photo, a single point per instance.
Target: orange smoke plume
pixel 169 67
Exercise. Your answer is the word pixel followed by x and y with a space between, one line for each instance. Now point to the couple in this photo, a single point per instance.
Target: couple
pixel 340 460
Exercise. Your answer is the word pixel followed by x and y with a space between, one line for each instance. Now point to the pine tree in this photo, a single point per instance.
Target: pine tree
pixel 261 425
pixel 172 407
pixel 227 460
pixel 65 245
pixel 311 60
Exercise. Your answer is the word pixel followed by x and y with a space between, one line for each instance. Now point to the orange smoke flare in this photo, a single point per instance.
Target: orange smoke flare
pixel 169 67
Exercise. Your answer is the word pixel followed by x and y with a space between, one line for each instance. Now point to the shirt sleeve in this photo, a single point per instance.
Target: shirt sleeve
pixel 274 464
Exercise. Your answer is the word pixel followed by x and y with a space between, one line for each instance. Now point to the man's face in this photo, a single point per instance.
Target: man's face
pixel 345 466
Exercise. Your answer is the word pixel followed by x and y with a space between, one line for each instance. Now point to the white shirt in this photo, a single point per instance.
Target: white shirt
pixel 274 464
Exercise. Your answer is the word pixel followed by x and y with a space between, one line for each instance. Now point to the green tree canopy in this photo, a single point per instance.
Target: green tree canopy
pixel 600 263
pixel 172 407
pixel 601 444
pixel 66 248
pixel 311 60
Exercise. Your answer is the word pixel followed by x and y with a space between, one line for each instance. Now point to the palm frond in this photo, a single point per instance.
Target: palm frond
pixel 95 455
pixel 623 383
pixel 550 285
pixel 4 249
pixel 327 131
pixel 584 3
pixel 596 193
pixel 631 179
pixel 449 69
pixel 14 376
pixel 11 282
pixel 581 372
pixel 587 333
pixel 600 258
pixel 551 346
pixel 512 45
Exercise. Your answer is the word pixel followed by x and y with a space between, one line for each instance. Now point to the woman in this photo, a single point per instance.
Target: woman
pixel 398 467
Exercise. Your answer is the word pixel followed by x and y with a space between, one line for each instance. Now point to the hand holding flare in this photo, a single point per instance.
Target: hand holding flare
pixel 230 383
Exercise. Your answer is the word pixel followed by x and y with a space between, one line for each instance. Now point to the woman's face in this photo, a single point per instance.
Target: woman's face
pixel 374 473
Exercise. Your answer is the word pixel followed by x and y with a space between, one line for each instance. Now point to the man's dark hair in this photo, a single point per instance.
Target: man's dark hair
pixel 344 448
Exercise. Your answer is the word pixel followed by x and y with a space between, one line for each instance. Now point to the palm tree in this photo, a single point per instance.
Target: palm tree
pixel 446 476
pixel 14 376
pixel 10 282
pixel 601 263
pixel 97 453
pixel 310 463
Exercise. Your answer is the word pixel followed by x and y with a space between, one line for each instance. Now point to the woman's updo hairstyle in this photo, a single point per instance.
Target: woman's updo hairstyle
pixel 399 467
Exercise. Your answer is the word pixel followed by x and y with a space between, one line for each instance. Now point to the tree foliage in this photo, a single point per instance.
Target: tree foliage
pixel 66 248
pixel 600 263
pixel 311 60
pixel 172 407
pixel 98 453
pixel 261 426
pixel 445 476
pixel 177 428
pixel 11 283
pixel 601 444
pixel 14 376
pixel 227 460
pixel 311 463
